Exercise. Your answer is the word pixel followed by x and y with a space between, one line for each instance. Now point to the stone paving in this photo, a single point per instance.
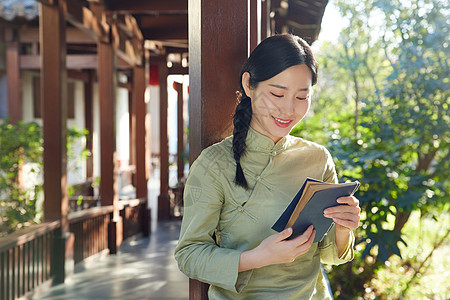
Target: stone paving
pixel 144 269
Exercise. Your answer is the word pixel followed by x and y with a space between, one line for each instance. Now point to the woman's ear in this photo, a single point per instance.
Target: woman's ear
pixel 246 84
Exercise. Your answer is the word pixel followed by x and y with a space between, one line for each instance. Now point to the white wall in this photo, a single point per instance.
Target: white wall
pixel 76 167
pixel 122 128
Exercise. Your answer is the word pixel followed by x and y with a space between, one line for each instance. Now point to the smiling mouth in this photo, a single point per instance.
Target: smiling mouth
pixel 282 122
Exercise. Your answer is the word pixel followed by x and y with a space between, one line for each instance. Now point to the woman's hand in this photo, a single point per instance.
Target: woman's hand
pixel 275 249
pixel 346 218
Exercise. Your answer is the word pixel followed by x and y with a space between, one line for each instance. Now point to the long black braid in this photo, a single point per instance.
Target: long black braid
pixel 241 121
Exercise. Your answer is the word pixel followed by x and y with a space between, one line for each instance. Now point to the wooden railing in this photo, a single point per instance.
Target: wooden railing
pixel 27 257
pixel 90 227
pixel 132 213
pixel 84 203
pixel 25 260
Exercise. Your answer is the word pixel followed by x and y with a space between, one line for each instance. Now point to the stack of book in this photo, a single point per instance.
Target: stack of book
pixel 308 205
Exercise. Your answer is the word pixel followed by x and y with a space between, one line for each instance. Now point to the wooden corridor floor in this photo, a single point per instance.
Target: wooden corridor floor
pixel 144 269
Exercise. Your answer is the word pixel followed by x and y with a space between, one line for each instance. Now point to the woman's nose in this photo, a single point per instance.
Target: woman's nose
pixel 288 107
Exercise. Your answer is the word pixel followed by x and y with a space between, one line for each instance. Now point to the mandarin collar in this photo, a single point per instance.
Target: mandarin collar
pixel 256 141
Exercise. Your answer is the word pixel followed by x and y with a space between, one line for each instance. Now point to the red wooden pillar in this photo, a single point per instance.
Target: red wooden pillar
pixel 108 162
pixel 89 122
pixel 163 198
pixel 54 111
pixel 218 46
pixel 13 76
pixel 265 19
pixel 180 131
pixel 132 134
pixel 139 111
pixel 255 23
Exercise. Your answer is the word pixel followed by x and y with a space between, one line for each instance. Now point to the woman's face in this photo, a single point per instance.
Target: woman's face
pixel 280 102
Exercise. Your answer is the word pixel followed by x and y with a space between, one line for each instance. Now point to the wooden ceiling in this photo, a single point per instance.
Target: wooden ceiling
pixel 161 24
pixel 167 21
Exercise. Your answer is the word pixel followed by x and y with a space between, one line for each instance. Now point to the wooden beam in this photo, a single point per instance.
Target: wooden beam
pixel 139 6
pixel 79 75
pixel 84 19
pixel 178 33
pixel 73 61
pixel 164 27
pixel 128 41
pixel 73 36
pixel 13 82
pixel 178 70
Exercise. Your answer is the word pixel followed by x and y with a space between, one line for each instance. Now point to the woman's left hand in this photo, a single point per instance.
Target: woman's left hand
pixel 346 216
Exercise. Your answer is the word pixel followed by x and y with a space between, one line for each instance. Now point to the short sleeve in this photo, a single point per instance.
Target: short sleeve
pixel 197 254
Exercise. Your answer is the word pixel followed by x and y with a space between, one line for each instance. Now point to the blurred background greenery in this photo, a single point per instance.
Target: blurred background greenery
pixel 381 108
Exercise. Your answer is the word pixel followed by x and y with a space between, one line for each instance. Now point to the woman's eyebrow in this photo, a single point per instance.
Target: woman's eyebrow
pixel 285 88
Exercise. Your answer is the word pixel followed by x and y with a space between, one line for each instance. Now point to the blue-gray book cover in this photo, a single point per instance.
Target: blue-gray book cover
pixel 312 213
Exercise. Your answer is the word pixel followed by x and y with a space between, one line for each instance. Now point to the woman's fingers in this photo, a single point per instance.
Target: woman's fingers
pixel 305 237
pixel 284 234
pixel 348 223
pixel 350 200
pixel 347 215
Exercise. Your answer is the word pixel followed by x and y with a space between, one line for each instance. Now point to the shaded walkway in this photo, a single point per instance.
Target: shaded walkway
pixel 144 269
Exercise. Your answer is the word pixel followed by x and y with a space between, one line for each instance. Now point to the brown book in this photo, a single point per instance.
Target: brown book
pixel 308 204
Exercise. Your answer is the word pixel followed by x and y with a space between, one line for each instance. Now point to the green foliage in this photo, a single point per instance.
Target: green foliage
pixel 22 144
pixel 74 159
pixel 19 143
pixel 383 111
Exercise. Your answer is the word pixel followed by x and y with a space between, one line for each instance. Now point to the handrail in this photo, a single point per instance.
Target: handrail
pixel 89 213
pixel 25 235
pixel 131 202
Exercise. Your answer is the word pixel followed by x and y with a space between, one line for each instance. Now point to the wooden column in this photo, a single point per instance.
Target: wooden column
pixel 255 24
pixel 89 122
pixel 265 19
pixel 180 131
pixel 218 47
pixel 139 111
pixel 108 161
pixel 54 113
pixel 217 50
pixel 13 77
pixel 132 132
pixel 163 198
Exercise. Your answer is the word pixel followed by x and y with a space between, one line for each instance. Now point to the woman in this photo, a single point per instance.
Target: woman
pixel 238 188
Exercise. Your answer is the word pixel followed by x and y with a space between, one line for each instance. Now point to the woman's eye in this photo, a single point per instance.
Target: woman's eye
pixel 275 95
pixel 300 98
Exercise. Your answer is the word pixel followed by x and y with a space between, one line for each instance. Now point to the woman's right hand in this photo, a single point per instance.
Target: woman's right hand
pixel 275 249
